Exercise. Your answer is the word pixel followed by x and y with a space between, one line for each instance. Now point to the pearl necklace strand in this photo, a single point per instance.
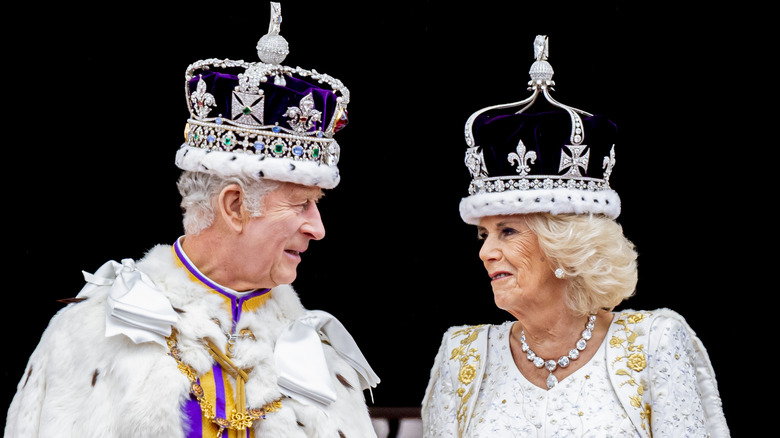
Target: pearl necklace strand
pixel 563 361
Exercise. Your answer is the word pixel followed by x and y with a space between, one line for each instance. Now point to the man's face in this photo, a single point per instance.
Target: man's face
pixel 271 245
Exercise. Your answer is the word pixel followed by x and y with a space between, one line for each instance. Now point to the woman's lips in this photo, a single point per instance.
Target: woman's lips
pixel 499 275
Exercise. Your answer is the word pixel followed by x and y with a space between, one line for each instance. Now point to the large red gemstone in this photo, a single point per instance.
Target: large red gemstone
pixel 341 122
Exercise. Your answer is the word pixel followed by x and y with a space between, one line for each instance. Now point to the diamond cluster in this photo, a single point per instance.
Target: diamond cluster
pixel 544 182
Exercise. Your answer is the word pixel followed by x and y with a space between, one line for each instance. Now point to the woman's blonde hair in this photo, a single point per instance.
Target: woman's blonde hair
pixel 596 257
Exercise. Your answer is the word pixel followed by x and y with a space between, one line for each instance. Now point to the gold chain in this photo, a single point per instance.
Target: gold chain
pixel 237 420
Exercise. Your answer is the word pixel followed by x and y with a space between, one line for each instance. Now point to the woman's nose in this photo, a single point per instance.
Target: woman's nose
pixel 489 250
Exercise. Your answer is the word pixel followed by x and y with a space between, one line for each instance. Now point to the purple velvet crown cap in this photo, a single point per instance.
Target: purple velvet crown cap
pixel 546 134
pixel 278 98
pixel 523 160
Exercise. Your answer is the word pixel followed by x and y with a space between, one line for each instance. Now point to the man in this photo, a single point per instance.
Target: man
pixel 205 337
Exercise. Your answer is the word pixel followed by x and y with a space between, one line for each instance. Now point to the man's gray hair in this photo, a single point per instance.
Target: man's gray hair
pixel 199 191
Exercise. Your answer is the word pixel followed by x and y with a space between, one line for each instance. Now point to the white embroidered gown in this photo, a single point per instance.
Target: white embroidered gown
pixel 584 404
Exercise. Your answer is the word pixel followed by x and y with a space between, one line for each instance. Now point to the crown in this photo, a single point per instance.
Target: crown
pixel 522 162
pixel 263 119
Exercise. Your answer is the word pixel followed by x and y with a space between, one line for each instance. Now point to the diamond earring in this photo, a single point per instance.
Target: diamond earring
pixel 559 273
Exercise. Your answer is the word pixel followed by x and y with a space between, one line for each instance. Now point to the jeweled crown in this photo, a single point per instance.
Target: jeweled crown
pixel 263 119
pixel 522 162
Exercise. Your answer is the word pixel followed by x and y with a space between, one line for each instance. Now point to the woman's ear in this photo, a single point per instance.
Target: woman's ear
pixel 230 207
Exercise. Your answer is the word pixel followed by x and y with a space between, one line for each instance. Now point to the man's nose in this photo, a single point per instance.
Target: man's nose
pixel 313 227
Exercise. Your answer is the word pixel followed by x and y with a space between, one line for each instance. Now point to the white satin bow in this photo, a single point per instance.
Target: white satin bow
pixel 300 359
pixel 134 306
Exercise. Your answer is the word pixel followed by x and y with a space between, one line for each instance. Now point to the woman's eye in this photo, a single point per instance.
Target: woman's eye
pixel 482 235
pixel 508 231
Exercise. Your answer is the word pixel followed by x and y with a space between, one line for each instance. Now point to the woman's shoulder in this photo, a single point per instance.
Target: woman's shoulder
pixel 653 328
pixel 648 318
pixel 473 330
pixel 476 337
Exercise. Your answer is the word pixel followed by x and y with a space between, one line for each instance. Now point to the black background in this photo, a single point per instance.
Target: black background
pixel 97 97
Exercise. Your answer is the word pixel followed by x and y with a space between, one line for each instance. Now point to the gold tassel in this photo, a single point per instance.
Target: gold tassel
pixel 237 373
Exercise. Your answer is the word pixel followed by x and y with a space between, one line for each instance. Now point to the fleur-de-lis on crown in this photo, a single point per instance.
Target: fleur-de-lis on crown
pixel 608 164
pixel 202 100
pixel 522 157
pixel 575 161
pixel 475 162
pixel 304 116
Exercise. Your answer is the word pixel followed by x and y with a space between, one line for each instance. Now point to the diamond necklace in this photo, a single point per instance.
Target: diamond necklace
pixel 563 361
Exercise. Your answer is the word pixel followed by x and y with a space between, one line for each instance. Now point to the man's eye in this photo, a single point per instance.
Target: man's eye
pixel 307 204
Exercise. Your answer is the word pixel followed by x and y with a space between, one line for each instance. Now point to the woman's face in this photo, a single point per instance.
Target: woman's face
pixel 521 277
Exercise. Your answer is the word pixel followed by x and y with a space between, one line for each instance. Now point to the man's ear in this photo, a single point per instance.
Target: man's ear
pixel 230 207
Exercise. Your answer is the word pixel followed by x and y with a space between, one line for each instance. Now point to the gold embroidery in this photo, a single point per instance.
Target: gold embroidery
pixel 636 361
pixel 632 361
pixel 467 371
pixel 467 374
pixel 646 413
pixel 635 318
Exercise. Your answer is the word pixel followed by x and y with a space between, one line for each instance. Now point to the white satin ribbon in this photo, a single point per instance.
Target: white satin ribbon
pixel 134 306
pixel 300 359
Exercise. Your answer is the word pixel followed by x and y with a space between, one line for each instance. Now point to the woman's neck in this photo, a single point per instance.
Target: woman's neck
pixel 552 334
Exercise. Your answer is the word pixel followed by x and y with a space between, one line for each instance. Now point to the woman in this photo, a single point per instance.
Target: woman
pixel 559 263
